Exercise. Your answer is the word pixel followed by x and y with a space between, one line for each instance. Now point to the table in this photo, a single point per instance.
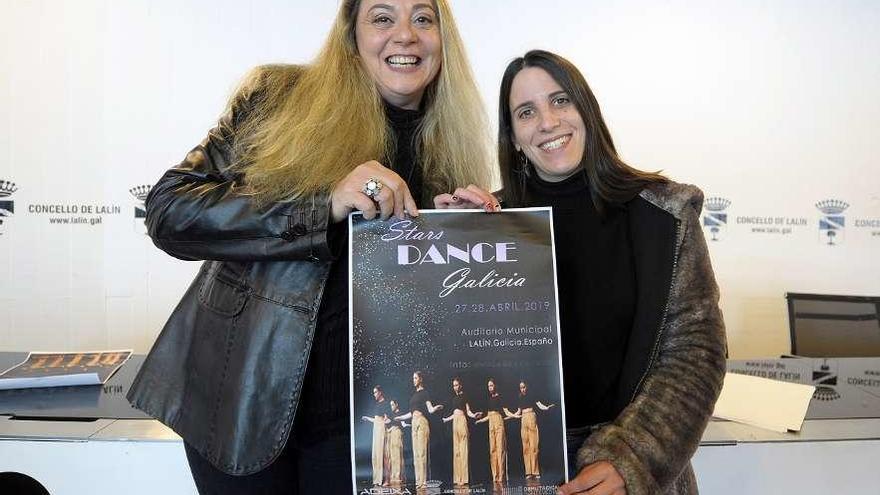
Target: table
pixel 119 448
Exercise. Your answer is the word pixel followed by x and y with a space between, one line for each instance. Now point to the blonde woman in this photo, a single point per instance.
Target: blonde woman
pixel 251 368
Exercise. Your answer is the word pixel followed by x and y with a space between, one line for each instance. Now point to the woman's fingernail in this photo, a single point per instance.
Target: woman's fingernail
pixel 497 207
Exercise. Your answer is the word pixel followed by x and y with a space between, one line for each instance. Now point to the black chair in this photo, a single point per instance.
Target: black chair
pixel 824 325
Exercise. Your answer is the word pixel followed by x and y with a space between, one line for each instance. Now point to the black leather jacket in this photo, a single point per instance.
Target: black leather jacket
pixel 227 369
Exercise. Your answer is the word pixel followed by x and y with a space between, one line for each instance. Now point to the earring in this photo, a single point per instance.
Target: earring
pixel 523 173
pixel 523 162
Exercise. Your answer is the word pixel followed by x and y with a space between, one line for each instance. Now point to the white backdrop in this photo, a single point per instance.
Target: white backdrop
pixel 770 107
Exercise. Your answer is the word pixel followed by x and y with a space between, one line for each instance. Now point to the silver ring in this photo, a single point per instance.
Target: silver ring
pixel 372 188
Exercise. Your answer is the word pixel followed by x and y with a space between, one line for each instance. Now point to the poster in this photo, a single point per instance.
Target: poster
pixel 455 354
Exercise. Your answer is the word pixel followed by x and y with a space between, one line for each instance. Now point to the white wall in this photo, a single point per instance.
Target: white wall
pixel 773 106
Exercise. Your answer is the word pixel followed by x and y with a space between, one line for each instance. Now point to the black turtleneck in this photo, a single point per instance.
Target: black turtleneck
pixel 597 294
pixel 324 402
pixel 404 124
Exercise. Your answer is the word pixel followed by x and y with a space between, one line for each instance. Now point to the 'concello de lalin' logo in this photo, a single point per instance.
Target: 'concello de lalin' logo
pixel 7 206
pixel 140 210
pixel 715 218
pixel 832 221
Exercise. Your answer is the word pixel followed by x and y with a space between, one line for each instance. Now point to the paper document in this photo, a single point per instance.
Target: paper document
pixel 771 404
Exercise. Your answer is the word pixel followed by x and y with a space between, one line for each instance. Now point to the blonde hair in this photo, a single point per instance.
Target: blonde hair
pixel 309 126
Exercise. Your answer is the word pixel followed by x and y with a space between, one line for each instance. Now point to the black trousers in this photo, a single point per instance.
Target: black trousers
pixel 306 465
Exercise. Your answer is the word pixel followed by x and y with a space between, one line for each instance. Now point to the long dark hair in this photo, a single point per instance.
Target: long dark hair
pixel 611 181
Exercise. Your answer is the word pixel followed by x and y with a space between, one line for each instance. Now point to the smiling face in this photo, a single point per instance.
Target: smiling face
pixel 546 125
pixel 456 387
pixel 400 47
pixel 491 386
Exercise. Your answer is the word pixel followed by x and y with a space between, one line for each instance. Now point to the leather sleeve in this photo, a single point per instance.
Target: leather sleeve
pixel 652 440
pixel 197 212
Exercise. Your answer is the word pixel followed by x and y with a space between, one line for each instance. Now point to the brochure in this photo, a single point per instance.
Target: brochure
pixel 61 369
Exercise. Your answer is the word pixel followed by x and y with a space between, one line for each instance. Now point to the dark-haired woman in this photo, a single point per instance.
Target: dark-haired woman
pixel 496 414
pixel 644 345
pixel 394 446
pixel 461 410
pixel 525 411
pixel 420 405
pixel 378 419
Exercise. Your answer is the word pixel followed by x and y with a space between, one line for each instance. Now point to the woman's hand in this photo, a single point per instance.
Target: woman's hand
pixel 467 197
pixel 599 478
pixel 393 199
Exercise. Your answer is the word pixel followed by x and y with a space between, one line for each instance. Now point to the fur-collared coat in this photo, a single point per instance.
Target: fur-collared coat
pixel 675 361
